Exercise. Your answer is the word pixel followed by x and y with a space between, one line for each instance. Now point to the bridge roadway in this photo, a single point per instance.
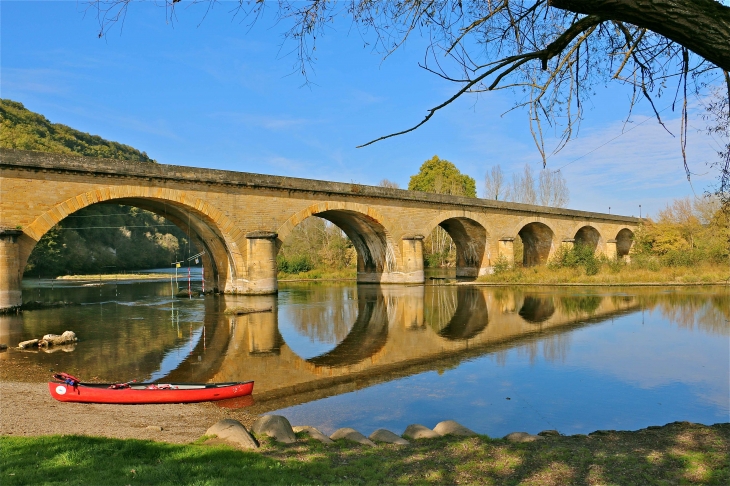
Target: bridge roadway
pixel 240 220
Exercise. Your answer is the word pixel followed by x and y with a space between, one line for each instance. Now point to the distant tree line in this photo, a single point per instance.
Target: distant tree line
pixel 108 238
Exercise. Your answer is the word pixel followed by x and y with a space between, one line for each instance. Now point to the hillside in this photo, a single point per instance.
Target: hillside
pixel 23 129
pixel 102 238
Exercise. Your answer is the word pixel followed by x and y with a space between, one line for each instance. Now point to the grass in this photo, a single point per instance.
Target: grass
pixel 611 274
pixel 679 453
pixel 320 274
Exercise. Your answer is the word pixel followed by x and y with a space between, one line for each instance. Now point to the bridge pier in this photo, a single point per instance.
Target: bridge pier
pixel 611 251
pixel 507 249
pixel 412 252
pixel 10 292
pixel 261 268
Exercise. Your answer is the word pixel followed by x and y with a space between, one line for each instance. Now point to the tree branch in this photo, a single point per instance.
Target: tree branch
pixel 677 20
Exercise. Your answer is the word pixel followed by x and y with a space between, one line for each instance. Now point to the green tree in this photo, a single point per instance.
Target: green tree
pixel 442 177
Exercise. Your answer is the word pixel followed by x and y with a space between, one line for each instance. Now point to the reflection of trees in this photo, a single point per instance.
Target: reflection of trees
pixel 440 304
pixel 554 348
pixel 585 305
pixel 328 323
pixel 709 312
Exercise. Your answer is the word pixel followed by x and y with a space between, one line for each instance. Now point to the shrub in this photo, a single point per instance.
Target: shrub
pixel 501 265
pixel 579 256
pixel 294 264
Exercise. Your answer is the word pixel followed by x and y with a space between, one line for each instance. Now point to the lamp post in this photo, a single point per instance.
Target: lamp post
pixel 639 211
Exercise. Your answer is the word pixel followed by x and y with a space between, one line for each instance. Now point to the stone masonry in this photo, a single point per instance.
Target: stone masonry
pixel 240 220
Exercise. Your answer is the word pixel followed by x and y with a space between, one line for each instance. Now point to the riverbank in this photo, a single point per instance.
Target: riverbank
pixel 677 453
pixel 611 274
pixel 116 276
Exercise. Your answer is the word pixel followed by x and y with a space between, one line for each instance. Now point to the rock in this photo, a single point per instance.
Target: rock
pixel 28 344
pixel 450 427
pixel 156 428
pixel 549 433
pixel 184 294
pixel 67 337
pixel 522 437
pixel 234 432
pixel 417 431
pixel 382 435
pixel 276 427
pixel 313 432
pixel 3 347
pixel 351 435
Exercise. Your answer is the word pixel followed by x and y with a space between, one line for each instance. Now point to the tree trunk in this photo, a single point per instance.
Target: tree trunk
pixel 702 26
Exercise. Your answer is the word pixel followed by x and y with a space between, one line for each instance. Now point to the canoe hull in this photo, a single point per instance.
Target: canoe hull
pixel 140 394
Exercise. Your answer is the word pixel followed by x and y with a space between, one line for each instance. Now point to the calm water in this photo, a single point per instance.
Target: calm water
pixel 343 355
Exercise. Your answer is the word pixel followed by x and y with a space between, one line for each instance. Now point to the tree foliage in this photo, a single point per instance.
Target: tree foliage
pixel 316 243
pixel 686 233
pixel 23 129
pixel 442 177
pixel 107 238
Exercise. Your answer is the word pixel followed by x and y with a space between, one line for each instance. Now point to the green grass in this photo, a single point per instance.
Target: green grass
pixel 611 274
pixel 674 454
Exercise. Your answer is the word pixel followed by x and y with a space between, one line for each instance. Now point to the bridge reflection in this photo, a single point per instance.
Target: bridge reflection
pixel 398 331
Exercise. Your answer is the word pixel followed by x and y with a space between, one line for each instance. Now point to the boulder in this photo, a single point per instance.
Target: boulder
pixel 418 431
pixel 549 433
pixel 522 437
pixel 234 432
pixel 313 432
pixel 450 427
pixel 276 427
pixel 382 435
pixel 351 435
pixel 31 343
pixel 67 337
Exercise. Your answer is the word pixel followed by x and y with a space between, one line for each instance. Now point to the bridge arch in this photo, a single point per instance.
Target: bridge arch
pixel 377 255
pixel 210 230
pixel 470 235
pixel 624 242
pixel 588 235
pixel 538 242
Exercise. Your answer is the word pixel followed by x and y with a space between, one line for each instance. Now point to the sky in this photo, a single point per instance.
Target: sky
pixel 213 91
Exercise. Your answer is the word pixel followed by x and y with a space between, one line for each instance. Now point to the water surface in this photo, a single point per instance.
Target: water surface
pixel 366 356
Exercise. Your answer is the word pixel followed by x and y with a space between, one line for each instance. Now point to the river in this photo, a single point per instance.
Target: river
pixel 496 359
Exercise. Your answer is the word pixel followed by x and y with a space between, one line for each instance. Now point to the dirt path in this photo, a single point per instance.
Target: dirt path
pixel 26 408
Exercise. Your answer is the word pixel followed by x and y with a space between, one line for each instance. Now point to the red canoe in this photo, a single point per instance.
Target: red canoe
pixel 70 389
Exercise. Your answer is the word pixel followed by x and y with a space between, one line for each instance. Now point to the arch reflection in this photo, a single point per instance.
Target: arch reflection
pixel 537 309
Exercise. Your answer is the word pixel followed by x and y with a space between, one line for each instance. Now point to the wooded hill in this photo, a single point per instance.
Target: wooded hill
pixel 102 238
pixel 23 129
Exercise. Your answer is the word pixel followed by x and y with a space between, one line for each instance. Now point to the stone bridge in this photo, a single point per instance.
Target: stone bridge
pixel 240 220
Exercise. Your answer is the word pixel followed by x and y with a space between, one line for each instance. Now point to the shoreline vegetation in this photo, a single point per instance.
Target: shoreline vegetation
pixel 676 453
pixel 607 276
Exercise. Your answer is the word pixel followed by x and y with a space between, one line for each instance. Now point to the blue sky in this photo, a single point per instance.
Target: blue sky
pixel 217 93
